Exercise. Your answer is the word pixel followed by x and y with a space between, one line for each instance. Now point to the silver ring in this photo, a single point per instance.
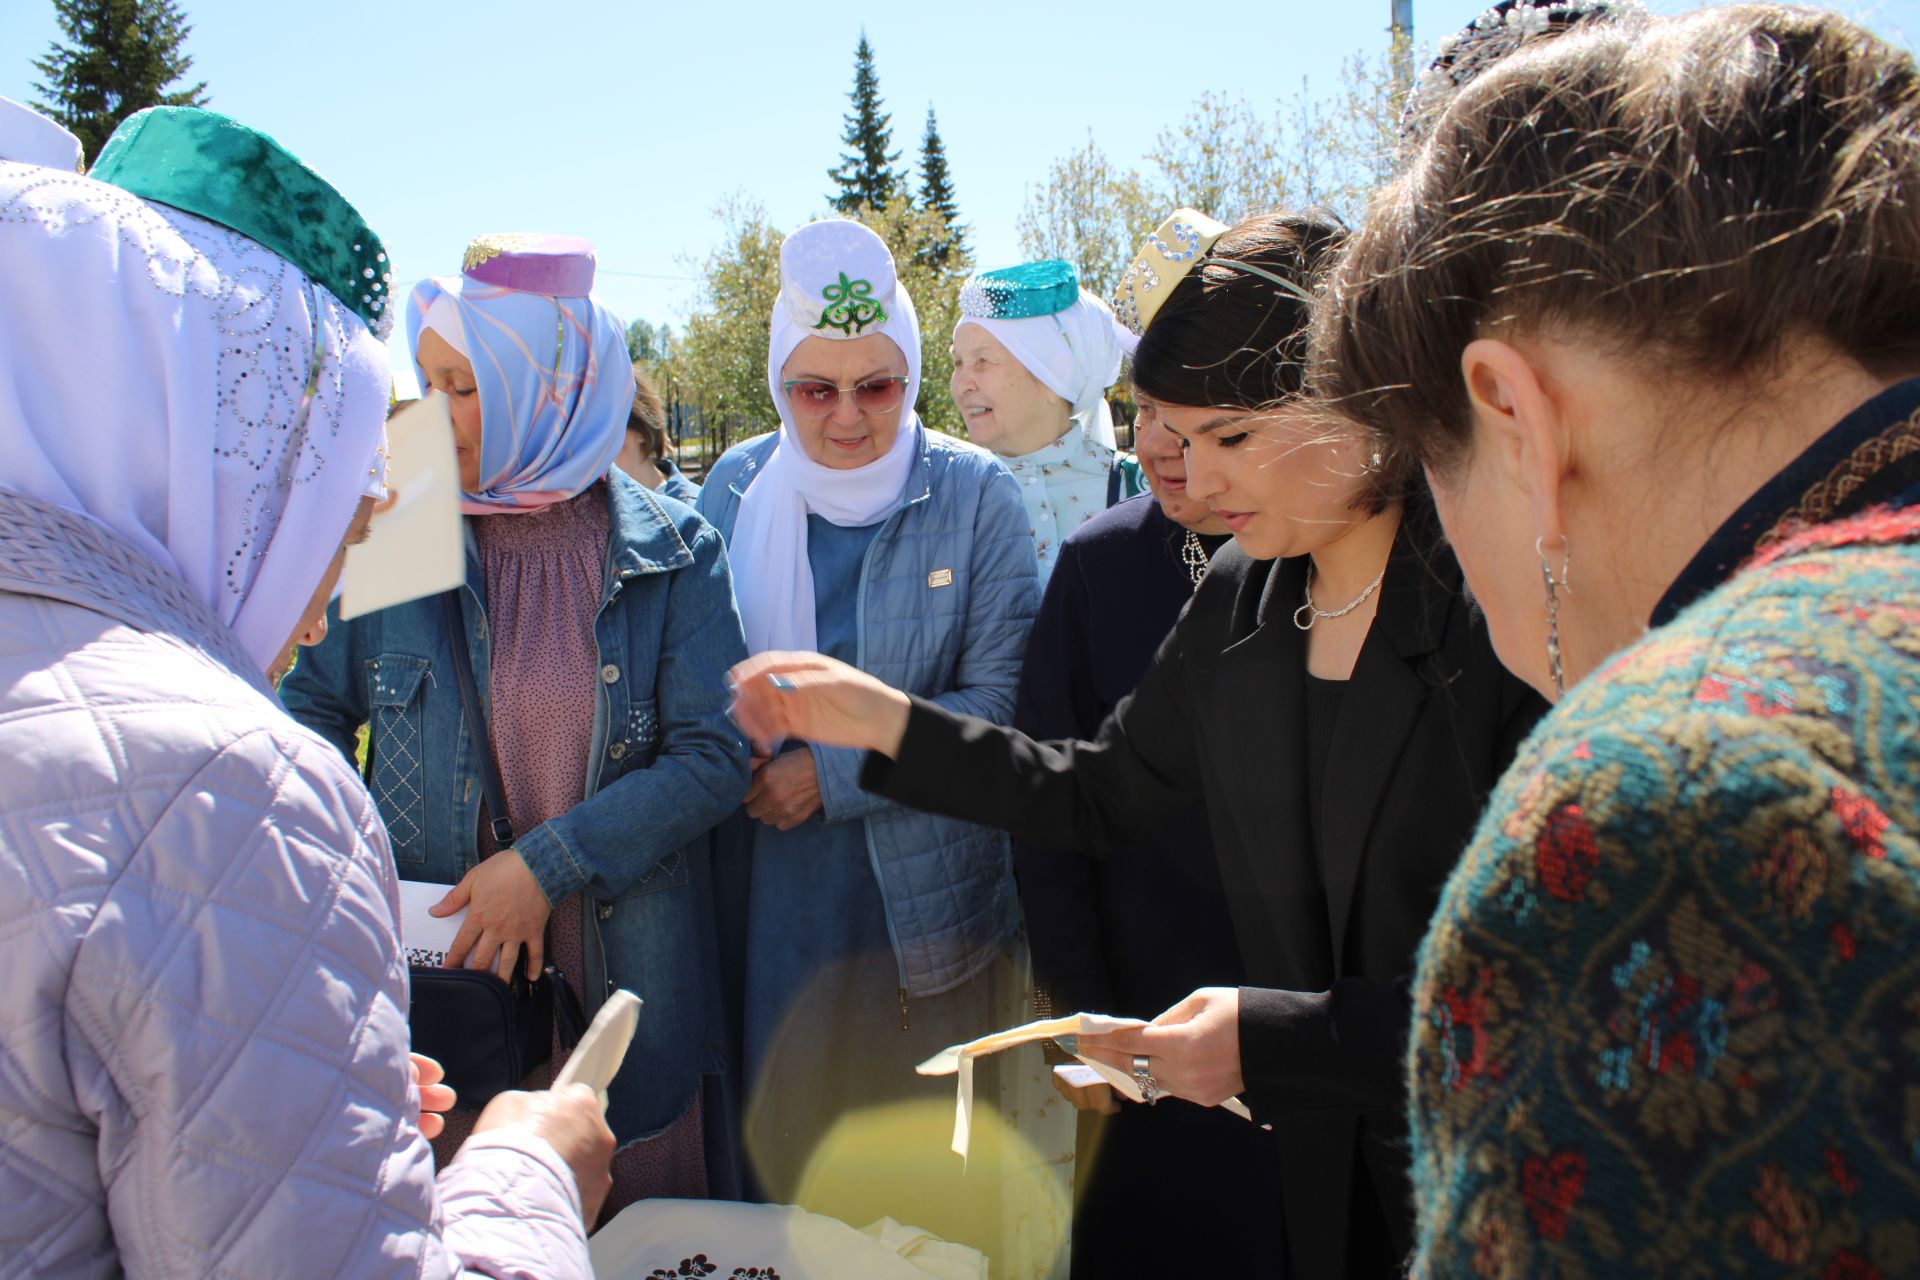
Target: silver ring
pixel 1143 1076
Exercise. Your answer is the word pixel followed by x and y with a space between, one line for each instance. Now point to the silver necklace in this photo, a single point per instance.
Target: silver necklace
pixel 1194 556
pixel 1313 614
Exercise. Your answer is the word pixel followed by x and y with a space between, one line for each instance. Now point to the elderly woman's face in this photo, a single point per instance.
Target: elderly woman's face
pixel 857 425
pixel 1005 407
pixel 451 374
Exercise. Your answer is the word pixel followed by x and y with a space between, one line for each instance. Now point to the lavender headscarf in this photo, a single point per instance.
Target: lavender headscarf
pixel 552 371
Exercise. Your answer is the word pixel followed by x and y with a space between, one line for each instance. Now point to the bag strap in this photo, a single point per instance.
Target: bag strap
pixel 490 784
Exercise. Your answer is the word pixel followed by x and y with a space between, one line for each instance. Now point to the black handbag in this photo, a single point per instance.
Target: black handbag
pixel 487 1035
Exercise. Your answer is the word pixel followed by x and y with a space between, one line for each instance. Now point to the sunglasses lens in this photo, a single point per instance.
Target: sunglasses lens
pixel 813 397
pixel 877 396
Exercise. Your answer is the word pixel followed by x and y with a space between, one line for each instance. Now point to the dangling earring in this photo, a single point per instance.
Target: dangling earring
pixel 1554 587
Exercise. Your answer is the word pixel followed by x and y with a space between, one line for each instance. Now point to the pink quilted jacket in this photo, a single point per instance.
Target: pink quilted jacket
pixel 203 1030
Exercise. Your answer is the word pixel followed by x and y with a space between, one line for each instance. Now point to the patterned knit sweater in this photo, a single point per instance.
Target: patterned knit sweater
pixel 1667 1018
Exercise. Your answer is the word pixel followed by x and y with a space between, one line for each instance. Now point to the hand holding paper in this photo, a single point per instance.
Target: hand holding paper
pixel 1072 1033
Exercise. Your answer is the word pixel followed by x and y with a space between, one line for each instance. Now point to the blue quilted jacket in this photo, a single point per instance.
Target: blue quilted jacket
pixel 947 595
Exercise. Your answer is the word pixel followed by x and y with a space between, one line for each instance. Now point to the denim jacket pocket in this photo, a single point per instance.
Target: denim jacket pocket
pixel 396 746
pixel 639 738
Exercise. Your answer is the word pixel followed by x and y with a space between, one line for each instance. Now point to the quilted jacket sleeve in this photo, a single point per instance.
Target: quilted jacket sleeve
pixel 1004 599
pixel 236 1030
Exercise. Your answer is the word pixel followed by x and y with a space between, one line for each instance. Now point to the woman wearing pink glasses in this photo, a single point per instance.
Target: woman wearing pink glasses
pixel 847 920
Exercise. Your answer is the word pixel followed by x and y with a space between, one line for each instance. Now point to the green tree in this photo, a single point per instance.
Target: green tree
pixel 1221 159
pixel 720 359
pixel 935 290
pixel 1090 212
pixel 936 196
pixel 120 56
pixel 649 343
pixel 866 176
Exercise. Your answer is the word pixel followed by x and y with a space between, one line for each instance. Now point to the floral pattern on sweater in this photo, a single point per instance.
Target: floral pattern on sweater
pixel 1667 1017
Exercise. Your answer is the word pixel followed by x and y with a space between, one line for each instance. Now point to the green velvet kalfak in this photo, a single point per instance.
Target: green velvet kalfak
pixel 212 166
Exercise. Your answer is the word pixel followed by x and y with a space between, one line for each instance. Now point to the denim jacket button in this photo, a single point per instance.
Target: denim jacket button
pixel 605 911
pixel 617 750
pixel 610 673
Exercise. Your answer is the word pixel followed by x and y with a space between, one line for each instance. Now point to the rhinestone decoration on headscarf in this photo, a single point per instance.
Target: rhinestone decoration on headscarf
pixel 193 391
pixel 226 172
pixel 1031 289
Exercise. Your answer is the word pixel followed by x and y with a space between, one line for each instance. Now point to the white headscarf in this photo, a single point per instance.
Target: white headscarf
pixel 1076 354
pixel 837 281
pixel 153 376
pixel 31 138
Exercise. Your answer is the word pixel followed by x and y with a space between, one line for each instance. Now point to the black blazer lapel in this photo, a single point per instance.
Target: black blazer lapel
pixel 1382 703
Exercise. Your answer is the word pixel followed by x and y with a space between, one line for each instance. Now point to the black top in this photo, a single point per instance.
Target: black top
pixel 1428 721
pixel 1135 933
pixel 1322 703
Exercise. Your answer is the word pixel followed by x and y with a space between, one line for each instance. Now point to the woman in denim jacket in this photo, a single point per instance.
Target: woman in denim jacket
pixel 857 532
pixel 599 618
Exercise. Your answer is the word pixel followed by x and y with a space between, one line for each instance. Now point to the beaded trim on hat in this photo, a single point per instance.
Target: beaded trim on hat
pixel 216 168
pixel 1031 289
pixel 1174 248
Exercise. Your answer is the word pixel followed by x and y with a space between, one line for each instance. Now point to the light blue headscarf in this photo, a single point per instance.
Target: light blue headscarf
pixel 555 387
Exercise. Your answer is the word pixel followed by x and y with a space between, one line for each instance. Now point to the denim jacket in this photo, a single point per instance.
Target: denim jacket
pixel 667 765
pixel 947 595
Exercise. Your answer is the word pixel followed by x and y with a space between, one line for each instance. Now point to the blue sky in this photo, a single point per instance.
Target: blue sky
pixel 627 122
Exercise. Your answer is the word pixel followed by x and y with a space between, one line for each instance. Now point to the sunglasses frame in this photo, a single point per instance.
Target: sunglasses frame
pixel 898 379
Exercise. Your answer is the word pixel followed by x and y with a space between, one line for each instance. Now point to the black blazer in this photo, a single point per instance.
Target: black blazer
pixel 1428 722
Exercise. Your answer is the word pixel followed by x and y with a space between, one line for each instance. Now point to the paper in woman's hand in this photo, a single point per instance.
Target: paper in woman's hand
pixel 597 1058
pixel 958 1060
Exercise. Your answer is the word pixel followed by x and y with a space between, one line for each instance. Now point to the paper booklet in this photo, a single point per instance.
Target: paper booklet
pixel 958 1060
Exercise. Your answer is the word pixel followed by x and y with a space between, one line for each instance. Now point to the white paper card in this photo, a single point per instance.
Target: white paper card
pixel 958 1060
pixel 597 1058
pixel 414 547
pixel 426 938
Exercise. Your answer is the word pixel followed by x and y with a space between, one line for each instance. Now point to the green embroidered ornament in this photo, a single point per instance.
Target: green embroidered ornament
pixel 850 307
pixel 216 168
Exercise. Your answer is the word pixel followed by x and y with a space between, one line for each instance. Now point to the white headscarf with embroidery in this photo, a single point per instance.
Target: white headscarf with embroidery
pixel 837 281
pixel 188 389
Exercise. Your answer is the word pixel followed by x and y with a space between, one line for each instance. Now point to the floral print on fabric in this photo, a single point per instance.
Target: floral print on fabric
pixel 1066 484
pixel 1668 1013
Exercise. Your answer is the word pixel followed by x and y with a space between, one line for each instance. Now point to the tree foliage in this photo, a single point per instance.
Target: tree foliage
pixel 1090 212
pixel 1227 159
pixel 866 175
pixel 649 343
pixel 935 290
pixel 119 57
pixel 936 196
pixel 720 361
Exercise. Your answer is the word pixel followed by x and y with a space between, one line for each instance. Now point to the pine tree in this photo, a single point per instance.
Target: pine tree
pixel 866 176
pixel 120 57
pixel 936 195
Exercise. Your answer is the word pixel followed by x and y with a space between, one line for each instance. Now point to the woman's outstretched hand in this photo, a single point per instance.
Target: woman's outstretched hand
pixel 777 696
